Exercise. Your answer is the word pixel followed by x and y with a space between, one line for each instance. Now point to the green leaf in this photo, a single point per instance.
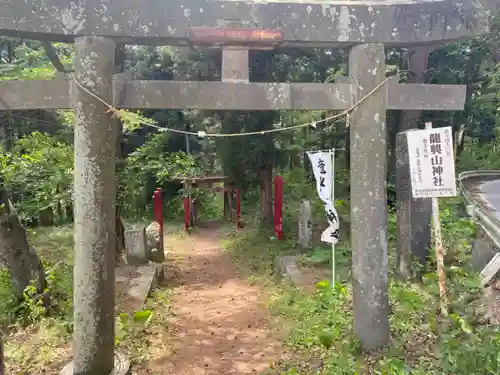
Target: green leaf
pixel 323 285
pixel 326 338
pixel 124 318
pixel 143 317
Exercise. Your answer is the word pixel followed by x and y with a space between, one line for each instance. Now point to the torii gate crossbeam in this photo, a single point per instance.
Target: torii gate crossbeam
pixel 313 23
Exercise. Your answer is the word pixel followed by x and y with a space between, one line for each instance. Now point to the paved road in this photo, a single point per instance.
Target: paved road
pixel 488 191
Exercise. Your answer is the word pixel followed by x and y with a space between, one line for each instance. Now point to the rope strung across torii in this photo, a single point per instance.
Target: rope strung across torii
pixel 117 113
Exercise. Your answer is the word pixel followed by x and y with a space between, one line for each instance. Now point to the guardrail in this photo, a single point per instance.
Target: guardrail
pixel 485 219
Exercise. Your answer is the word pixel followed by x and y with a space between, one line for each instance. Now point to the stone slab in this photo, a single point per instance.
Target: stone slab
pixel 312 23
pixel 136 245
pixel 305 226
pixel 145 280
pixel 122 366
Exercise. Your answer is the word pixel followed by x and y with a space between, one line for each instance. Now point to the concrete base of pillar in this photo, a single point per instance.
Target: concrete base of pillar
pixel 122 366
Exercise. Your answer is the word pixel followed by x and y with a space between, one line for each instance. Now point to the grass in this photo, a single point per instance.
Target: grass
pixel 319 323
pixel 38 340
pixel 143 336
pixel 422 342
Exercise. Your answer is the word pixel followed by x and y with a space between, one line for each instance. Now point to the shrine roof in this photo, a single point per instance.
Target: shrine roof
pixel 315 23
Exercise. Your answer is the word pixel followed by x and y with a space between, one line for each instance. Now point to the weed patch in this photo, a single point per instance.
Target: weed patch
pixel 320 327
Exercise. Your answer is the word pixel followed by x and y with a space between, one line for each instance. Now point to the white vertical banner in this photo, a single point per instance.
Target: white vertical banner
pixel 323 168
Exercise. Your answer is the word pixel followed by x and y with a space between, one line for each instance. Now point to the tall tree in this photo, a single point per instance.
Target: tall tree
pixel 15 252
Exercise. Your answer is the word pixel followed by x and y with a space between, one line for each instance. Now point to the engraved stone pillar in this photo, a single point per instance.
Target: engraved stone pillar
pixel 95 195
pixel 369 197
pixel 305 234
pixel 413 215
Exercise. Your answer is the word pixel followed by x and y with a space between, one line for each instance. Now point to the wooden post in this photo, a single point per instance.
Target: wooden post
pixel 238 208
pixel 438 239
pixel 369 197
pixel 186 213
pixel 2 363
pixel 158 212
pixel 95 196
pixel 278 207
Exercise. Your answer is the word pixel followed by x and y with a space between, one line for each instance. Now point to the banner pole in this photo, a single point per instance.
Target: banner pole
pixel 332 155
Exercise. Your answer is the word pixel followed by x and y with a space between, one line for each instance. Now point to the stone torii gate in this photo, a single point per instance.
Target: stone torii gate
pixel 96 27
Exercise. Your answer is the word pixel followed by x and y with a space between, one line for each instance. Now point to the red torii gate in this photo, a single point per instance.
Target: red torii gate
pixel 190 205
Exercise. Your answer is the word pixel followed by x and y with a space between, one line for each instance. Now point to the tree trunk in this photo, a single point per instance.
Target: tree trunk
pixel 459 140
pixel 69 212
pixel 15 252
pixel 266 195
pixel 120 255
pixel 2 363
pixel 228 200
pixel 392 126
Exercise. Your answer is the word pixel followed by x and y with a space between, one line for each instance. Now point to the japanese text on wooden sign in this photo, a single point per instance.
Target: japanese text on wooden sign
pixel 432 165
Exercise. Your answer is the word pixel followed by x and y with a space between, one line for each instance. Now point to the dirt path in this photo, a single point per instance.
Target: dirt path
pixel 220 322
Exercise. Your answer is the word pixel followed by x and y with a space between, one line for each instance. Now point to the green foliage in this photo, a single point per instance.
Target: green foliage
pixel 421 341
pixel 27 59
pixel 53 247
pixel 130 325
pixel 39 172
pixel 149 162
pixel 134 120
pixel 477 156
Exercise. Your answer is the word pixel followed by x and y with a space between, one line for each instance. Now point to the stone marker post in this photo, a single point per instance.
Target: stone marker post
pixel 305 234
pixel 136 245
pixel 413 215
pixel 94 189
pixel 369 197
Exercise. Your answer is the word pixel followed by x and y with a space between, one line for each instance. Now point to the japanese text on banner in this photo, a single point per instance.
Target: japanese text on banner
pixel 322 164
pixel 432 165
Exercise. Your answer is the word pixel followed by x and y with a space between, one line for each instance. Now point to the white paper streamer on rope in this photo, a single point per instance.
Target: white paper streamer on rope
pixel 322 163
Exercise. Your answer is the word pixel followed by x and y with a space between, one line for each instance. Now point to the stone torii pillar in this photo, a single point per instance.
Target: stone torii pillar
pixel 369 196
pixel 94 195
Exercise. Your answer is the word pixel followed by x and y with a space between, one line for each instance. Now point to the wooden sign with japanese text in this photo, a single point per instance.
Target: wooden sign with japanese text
pixel 432 164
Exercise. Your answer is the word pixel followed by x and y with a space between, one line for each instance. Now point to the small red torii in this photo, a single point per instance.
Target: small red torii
pixel 190 211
